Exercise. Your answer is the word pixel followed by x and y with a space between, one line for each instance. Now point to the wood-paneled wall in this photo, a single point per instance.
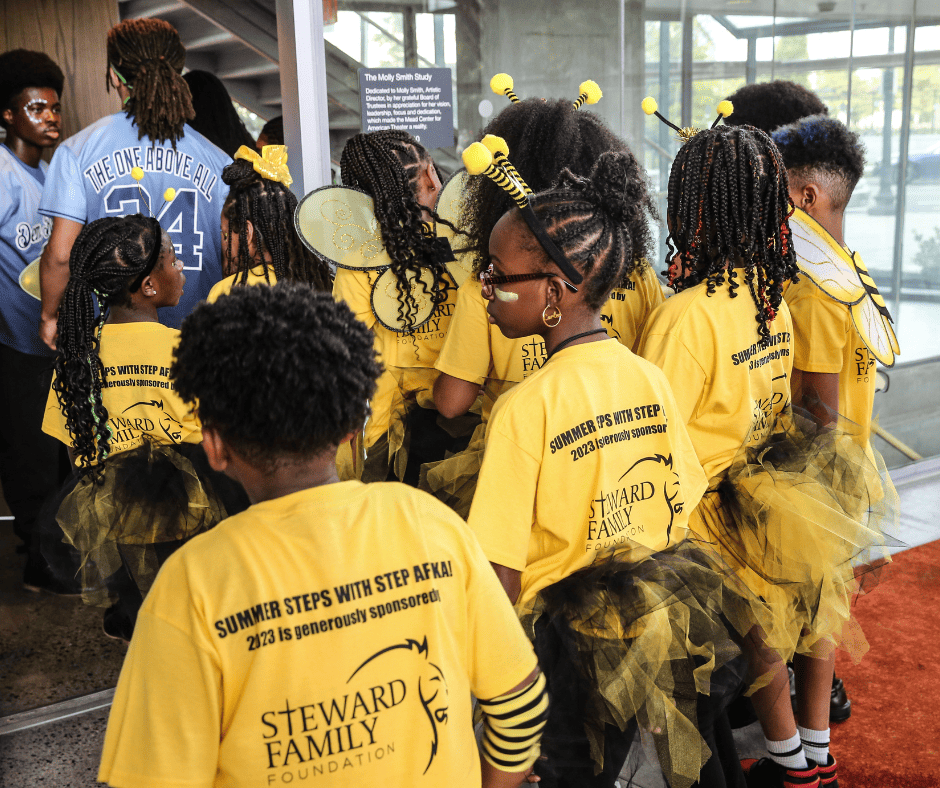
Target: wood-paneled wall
pixel 72 33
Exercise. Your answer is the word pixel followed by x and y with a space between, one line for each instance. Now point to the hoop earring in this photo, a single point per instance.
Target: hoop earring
pixel 554 316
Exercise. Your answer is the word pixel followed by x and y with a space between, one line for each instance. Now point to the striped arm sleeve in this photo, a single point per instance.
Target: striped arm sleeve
pixel 512 726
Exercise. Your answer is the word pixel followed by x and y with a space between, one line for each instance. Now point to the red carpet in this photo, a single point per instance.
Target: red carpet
pixel 892 739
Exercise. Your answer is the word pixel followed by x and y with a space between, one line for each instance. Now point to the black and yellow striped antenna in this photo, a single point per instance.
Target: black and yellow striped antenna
pixel 479 159
pixel 589 92
pixel 501 85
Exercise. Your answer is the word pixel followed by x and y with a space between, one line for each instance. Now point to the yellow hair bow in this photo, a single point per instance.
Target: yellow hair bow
pixel 271 163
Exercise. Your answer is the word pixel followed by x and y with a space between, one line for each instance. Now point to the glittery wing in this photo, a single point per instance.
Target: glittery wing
pixel 872 319
pixel 29 279
pixel 339 224
pixel 385 303
pixel 449 206
pixel 829 267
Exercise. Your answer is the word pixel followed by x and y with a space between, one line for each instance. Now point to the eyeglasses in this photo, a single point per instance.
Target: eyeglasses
pixel 38 107
pixel 488 280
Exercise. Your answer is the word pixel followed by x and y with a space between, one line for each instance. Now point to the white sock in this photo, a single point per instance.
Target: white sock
pixel 815 744
pixel 788 753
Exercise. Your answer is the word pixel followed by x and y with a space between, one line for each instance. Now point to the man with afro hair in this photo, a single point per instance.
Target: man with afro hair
pixel 30 113
pixel 769 105
pixel 833 369
pixel 333 628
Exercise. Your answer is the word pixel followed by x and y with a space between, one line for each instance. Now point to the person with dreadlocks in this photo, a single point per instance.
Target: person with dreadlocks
pixel 770 105
pixel 401 178
pixel 259 243
pixel 780 508
pixel 98 171
pixel 584 494
pixel 546 138
pixel 30 114
pixel 333 630
pixel 142 485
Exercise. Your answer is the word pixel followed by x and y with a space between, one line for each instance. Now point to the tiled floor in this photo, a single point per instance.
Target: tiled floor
pixel 52 649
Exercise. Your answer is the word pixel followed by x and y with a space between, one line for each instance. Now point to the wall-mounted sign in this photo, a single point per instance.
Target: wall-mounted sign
pixel 417 100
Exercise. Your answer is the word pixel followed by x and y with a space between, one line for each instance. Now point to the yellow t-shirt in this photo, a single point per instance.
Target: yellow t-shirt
pixel 628 308
pixel 255 277
pixel 826 340
pixel 729 386
pixel 137 391
pixel 335 634
pixel 584 454
pixel 408 358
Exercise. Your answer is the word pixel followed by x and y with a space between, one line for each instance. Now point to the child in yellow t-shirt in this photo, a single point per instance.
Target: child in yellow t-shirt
pixel 583 500
pixel 333 630
pixel 545 138
pixel 774 510
pixel 259 242
pixel 141 485
pixel 403 430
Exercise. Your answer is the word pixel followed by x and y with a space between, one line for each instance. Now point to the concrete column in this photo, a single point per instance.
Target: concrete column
pixel 303 90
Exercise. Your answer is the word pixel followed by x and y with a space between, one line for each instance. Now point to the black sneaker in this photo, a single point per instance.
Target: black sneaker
pixel 827 773
pixel 38 577
pixel 117 623
pixel 840 707
pixel 767 773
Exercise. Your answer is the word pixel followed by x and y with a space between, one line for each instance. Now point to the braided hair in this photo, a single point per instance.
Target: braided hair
pixel 291 339
pixel 589 220
pixel 728 207
pixel 150 57
pixel 545 138
pixel 108 262
pixel 269 206
pixel 385 165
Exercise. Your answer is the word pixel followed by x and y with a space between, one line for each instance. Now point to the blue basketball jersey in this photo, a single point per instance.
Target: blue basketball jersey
pixel 90 177
pixel 23 234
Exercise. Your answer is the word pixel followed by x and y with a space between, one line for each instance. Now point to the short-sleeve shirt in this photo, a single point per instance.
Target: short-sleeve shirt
pixel 587 455
pixel 411 356
pixel 826 341
pixel 729 384
pixel 255 277
pixel 333 635
pixel 23 234
pixel 476 351
pixel 136 390
pixel 90 177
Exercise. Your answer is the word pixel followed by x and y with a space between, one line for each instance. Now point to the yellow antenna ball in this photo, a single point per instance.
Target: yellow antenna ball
pixel 170 194
pixel 649 105
pixel 496 144
pixel 725 108
pixel 500 83
pixel 477 158
pixel 137 174
pixel 592 89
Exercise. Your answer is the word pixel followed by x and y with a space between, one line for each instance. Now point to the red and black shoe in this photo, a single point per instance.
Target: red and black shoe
pixel 767 773
pixel 827 774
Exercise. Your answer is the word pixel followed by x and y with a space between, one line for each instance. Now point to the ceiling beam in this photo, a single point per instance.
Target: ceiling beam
pixel 248 22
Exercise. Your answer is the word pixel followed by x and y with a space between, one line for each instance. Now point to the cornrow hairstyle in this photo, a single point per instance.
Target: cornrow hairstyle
pixel 728 207
pixel 269 206
pixel 823 148
pixel 292 339
pixel 108 262
pixel 545 138
pixel 385 165
pixel 769 105
pixel 149 55
pixel 589 220
pixel 21 69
